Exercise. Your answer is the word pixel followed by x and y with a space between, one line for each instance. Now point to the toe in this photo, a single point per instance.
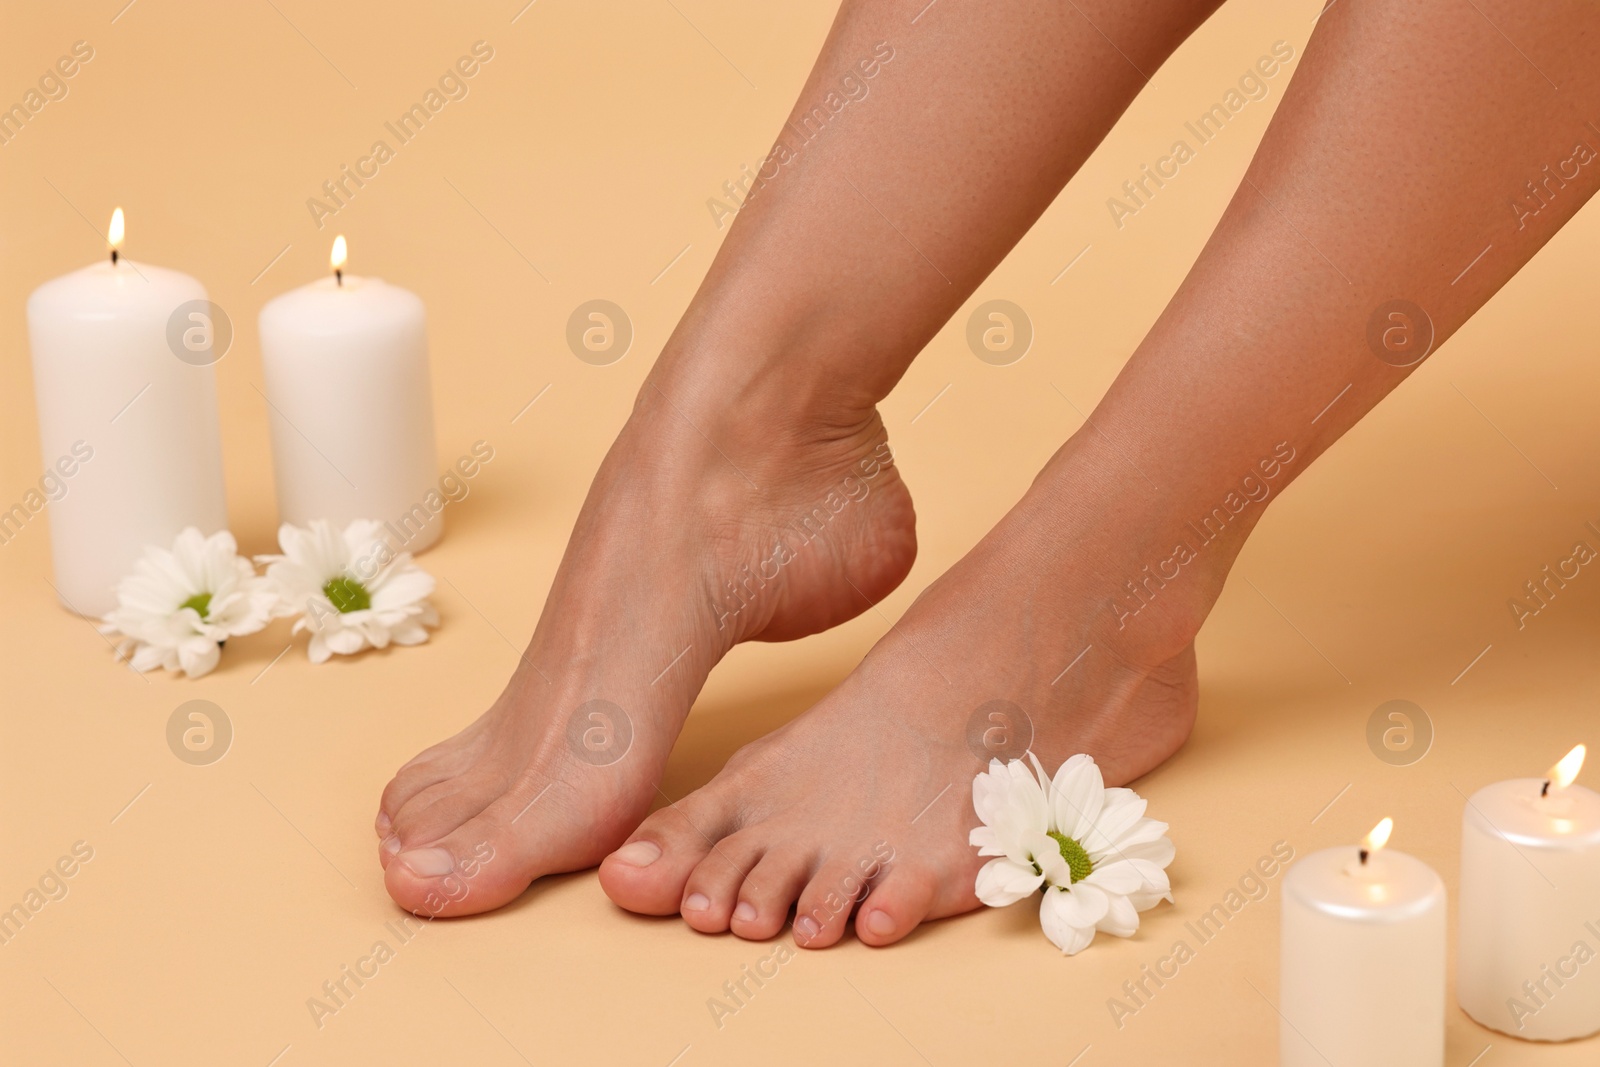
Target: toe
pixel 896 905
pixel 826 903
pixel 451 877
pixel 441 809
pixel 710 894
pixel 768 892
pixel 647 875
pixel 387 849
pixel 437 764
pixel 492 857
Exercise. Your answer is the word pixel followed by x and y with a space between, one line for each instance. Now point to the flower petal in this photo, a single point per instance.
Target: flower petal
pixel 1082 905
pixel 199 656
pixel 362 536
pixel 344 641
pixel 1121 918
pixel 1010 802
pixel 1043 851
pixel 1145 900
pixel 986 841
pixel 1118 878
pixel 1002 882
pixel 1119 815
pixel 1156 887
pixel 409 633
pixel 988 792
pixel 1159 852
pixel 1027 794
pixel 1058 915
pixel 1141 832
pixel 1077 795
pixel 1154 875
pixel 399 588
pixel 148 658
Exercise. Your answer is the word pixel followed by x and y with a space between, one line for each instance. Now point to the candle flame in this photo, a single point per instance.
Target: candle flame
pixel 1565 772
pixel 115 232
pixel 1379 836
pixel 340 253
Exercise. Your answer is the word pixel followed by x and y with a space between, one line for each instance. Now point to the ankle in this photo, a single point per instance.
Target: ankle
pixel 1148 562
pixel 764 401
pixel 785 364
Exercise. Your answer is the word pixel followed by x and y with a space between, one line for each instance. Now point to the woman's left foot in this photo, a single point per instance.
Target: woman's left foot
pixel 863 805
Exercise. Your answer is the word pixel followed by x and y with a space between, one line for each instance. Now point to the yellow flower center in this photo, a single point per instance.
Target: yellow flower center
pixel 200 602
pixel 347 594
pixel 1077 857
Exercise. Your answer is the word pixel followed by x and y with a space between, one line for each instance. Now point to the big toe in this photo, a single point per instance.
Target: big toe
pixel 489 859
pixel 648 874
pixel 436 812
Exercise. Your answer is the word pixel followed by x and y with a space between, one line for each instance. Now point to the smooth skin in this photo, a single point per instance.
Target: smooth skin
pixel 1406 139
pixel 760 406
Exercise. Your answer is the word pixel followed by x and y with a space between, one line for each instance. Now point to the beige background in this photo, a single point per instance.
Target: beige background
pixel 224 896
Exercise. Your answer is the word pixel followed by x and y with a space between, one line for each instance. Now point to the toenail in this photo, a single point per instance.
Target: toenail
pixel 878 922
pixel 429 862
pixel 638 854
pixel 807 927
pixel 745 912
pixel 697 902
pixel 384 824
pixel 391 844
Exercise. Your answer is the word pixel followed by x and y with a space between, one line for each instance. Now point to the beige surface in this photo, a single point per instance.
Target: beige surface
pixel 226 895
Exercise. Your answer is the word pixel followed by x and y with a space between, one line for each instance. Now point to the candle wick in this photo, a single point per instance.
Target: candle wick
pixel 1364 854
pixel 113 257
pixel 338 276
pixel 1546 790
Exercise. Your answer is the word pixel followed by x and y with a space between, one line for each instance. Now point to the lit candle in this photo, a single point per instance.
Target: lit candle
pixel 1362 975
pixel 128 426
pixel 1529 962
pixel 346 366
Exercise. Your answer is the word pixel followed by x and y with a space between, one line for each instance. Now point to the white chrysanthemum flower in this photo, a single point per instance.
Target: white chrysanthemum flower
pixel 179 605
pixel 1099 861
pixel 349 588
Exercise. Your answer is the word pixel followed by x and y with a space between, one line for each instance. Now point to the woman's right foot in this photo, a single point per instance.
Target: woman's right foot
pixel 702 529
pixel 1031 643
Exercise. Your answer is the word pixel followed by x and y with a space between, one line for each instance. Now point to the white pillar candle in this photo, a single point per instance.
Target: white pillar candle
pixel 346 366
pixel 128 429
pixel 1529 961
pixel 1362 975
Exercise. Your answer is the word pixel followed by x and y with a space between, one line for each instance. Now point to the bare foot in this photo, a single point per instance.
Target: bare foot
pixel 708 524
pixel 868 796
